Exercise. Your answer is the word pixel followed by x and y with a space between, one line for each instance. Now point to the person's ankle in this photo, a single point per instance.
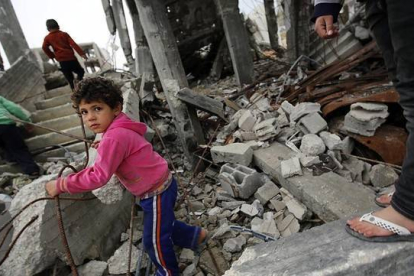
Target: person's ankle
pixel 202 236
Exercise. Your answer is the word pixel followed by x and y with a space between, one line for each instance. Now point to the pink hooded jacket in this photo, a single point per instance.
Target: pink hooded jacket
pixel 124 151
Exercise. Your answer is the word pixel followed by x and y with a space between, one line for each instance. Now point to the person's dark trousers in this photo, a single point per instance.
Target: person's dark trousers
pixel 162 231
pixel 392 24
pixel 68 68
pixel 15 147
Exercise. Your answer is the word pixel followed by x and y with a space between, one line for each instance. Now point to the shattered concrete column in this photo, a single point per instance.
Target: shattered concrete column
pixel 143 62
pixel 109 13
pixel 11 34
pixel 271 20
pixel 237 41
pixel 164 51
pixel 122 28
pixel 298 33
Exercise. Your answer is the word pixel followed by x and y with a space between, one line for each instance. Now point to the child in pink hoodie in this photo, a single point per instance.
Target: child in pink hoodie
pixel 123 151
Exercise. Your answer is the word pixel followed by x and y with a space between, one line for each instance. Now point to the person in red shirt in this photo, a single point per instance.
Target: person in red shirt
pixel 63 45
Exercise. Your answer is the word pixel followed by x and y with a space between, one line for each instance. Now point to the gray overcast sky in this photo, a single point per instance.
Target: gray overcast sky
pixel 84 20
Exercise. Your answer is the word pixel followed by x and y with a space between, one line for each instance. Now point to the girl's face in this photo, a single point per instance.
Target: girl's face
pixel 97 115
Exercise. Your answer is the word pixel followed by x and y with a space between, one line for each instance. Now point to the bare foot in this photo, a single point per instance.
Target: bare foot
pixel 203 235
pixel 384 199
pixel 371 230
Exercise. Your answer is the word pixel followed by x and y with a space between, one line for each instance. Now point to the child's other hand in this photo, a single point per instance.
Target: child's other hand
pixel 95 144
pixel 51 188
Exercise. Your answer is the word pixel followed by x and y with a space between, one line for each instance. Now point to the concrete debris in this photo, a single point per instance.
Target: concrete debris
pixel 190 270
pixel 237 153
pixel 92 268
pixel 266 192
pixel 348 145
pixel 234 245
pixel 266 129
pixel 303 109
pixel 296 208
pixel 186 255
pixel 312 145
pixel 287 107
pixel 111 192
pixel 365 118
pixel 382 176
pixel 312 123
pixel 332 141
pixel 362 33
pixel 239 181
pixel 249 210
pixel 308 161
pixel 291 167
pixel 247 121
pixel 118 263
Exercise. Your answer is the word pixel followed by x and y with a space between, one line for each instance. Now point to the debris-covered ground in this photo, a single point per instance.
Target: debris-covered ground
pixel 336 118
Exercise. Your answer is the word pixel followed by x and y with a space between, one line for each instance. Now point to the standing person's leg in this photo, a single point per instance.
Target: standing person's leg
pixel 66 69
pixel 78 70
pixel 158 227
pixel 14 143
pixel 401 211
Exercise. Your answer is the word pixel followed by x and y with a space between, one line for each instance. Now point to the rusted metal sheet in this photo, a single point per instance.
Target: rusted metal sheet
pixel 344 99
pixel 388 142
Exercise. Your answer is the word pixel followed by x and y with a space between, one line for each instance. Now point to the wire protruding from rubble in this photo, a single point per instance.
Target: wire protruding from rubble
pixel 290 69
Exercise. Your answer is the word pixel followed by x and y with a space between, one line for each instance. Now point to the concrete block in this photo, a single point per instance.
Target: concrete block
pixel 231 205
pixel 312 123
pixel 249 210
pixel 382 176
pixel 237 153
pixel 277 204
pixel 334 159
pixel 366 180
pixel 268 191
pixel 282 120
pixel 291 167
pixel 56 101
pixel 52 113
pixel 332 141
pixel 329 195
pixel 326 250
pixel 296 208
pixel 266 129
pixel 245 135
pixel 293 228
pixel 235 244
pixel 247 121
pixel 190 270
pixel 303 109
pixel 60 123
pixel 187 255
pixel 287 107
pixel 312 145
pixel 239 181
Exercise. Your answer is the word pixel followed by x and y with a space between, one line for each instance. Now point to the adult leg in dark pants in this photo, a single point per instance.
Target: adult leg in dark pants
pixel 16 148
pixel 68 68
pixel 401 31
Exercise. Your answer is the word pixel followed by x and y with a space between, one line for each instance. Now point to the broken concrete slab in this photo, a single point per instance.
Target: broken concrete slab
pixel 235 244
pixel 239 181
pixel 287 107
pixel 92 268
pixel 296 208
pixel 51 113
pixel 291 167
pixel 237 153
pixel 249 210
pixel 364 128
pixel 325 250
pixel 308 161
pixel 52 102
pixel 40 244
pixel 312 145
pixel 304 109
pixel 118 263
pixel 329 195
pixel 312 123
pixel 382 176
pixel 368 111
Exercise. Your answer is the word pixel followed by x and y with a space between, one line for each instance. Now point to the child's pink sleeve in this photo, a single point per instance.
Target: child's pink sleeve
pixel 110 155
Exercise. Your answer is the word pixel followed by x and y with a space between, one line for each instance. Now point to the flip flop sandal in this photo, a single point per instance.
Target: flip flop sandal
pixel 381 204
pixel 400 233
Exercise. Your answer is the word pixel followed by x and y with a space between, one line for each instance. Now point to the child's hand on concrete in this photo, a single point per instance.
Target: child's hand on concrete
pixel 51 188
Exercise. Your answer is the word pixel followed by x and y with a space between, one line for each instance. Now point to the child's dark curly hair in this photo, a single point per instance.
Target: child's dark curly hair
pixel 97 89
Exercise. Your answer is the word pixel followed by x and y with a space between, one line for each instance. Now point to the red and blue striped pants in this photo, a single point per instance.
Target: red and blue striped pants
pixel 162 231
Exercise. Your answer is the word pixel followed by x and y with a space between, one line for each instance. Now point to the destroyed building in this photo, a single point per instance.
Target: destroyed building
pixel 273 147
